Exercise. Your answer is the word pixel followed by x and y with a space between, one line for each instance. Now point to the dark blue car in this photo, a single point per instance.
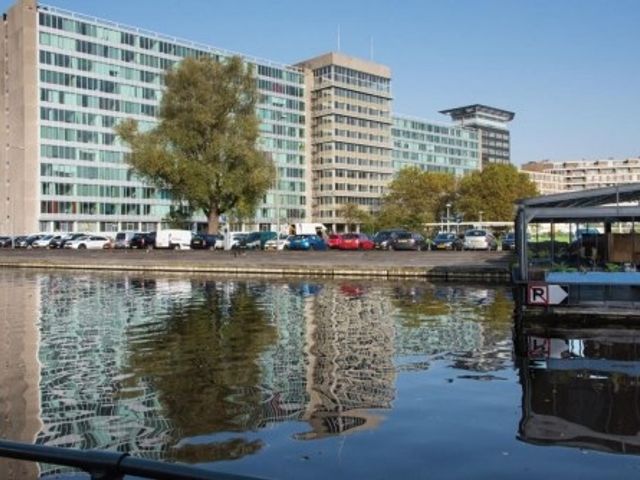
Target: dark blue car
pixel 306 242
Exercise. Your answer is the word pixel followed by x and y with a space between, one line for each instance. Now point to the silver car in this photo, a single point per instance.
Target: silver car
pixel 479 240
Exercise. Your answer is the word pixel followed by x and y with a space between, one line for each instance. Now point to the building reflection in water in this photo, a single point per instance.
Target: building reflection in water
pixel 19 367
pixel 180 368
pixel 580 387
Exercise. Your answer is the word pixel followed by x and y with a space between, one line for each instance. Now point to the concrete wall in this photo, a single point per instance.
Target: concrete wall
pixel 19 120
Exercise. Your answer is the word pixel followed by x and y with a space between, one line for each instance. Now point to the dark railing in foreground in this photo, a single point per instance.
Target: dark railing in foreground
pixel 103 465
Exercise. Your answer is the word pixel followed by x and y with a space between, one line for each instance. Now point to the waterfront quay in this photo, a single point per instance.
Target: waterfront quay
pixel 451 266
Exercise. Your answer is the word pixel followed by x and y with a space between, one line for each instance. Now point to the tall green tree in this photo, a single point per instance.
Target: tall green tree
pixel 493 191
pixel 415 197
pixel 204 147
pixel 354 215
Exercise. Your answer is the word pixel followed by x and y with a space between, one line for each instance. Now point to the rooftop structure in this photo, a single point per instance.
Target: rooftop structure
pixel 491 122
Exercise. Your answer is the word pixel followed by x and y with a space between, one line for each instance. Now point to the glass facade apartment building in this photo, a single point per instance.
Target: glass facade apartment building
pixel 434 147
pixel 68 79
pixel 89 75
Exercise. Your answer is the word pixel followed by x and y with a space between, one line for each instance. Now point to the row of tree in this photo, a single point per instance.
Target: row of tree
pixel 415 197
pixel 205 151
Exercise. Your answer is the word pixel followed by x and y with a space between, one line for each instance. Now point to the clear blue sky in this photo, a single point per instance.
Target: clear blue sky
pixel 570 69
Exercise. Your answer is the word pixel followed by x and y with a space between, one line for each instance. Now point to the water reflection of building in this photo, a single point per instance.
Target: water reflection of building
pixel 19 367
pixel 350 360
pixel 84 400
pixel 581 388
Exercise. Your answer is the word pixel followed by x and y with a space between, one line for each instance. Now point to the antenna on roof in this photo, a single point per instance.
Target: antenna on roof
pixel 338 37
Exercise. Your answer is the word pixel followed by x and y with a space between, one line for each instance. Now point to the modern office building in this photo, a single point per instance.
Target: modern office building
pixel 492 124
pixel 584 174
pixel 67 79
pixel 351 134
pixel 434 147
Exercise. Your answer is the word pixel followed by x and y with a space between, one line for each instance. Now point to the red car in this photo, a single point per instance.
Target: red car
pixel 334 241
pixel 356 241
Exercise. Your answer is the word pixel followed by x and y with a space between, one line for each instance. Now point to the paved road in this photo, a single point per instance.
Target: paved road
pixel 463 266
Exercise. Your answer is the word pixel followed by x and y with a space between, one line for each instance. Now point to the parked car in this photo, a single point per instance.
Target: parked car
pixel 334 241
pixel 281 244
pixel 408 241
pixel 5 242
pixel 479 240
pixel 173 239
pixel 204 241
pixel 143 240
pixel 89 242
pixel 383 237
pixel 509 241
pixel 123 239
pixel 60 243
pixel 20 241
pixel 236 239
pixel 45 241
pixel 356 241
pixel 306 242
pixel 446 241
pixel 28 241
pixel 256 240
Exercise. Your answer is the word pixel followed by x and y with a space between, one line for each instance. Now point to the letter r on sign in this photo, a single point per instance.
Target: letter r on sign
pixel 538 295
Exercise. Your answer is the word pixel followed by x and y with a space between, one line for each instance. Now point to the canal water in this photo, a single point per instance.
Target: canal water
pixel 303 379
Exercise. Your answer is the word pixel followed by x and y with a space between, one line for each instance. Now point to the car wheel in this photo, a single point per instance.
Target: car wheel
pixel 82 246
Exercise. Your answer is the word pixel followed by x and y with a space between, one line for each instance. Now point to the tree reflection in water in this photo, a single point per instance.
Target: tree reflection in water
pixel 203 364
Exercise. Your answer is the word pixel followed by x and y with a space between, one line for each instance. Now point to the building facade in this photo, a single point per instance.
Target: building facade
pixel 582 174
pixel 491 123
pixel 351 134
pixel 68 79
pixel 434 147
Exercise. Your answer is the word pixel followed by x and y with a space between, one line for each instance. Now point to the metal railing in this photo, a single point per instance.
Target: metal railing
pixel 104 465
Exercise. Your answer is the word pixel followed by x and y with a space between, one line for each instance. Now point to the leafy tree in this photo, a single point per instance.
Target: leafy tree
pixel 179 217
pixel 205 367
pixel 354 215
pixel 493 191
pixel 204 148
pixel 415 197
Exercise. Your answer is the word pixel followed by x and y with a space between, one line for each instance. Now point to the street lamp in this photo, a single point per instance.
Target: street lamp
pixel 480 215
pixel 448 205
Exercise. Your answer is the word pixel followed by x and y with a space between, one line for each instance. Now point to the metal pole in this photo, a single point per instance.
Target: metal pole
pixel 448 207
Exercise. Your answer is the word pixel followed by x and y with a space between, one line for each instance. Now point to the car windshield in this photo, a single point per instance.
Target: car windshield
pixel 403 235
pixel 510 236
pixel 476 233
pixel 350 236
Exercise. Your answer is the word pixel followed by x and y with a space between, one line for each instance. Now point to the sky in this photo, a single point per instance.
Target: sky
pixel 569 69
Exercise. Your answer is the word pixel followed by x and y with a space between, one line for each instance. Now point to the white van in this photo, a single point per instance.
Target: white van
pixel 307 229
pixel 174 239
